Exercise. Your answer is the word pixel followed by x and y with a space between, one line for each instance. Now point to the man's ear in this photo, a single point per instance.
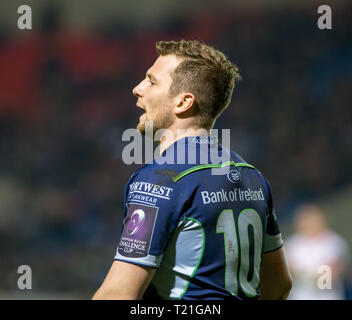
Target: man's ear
pixel 184 102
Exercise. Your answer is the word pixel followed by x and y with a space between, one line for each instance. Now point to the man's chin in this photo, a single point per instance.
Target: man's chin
pixel 148 130
pixel 141 128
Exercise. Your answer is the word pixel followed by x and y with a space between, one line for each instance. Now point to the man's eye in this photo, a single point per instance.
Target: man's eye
pixel 151 82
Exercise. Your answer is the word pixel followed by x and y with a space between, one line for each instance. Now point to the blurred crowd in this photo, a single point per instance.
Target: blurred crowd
pixel 66 98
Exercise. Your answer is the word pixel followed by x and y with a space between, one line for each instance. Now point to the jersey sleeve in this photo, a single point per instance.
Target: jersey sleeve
pixel 272 235
pixel 152 210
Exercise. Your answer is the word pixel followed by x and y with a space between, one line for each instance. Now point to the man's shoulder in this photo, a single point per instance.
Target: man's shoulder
pixel 154 170
pixel 161 174
pixel 173 172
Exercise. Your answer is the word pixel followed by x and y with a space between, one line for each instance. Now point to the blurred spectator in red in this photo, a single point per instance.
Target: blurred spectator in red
pixel 313 251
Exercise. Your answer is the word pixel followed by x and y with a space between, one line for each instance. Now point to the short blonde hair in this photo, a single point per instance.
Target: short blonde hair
pixel 205 72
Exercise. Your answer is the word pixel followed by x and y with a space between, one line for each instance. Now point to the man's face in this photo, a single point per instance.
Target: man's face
pixel 152 94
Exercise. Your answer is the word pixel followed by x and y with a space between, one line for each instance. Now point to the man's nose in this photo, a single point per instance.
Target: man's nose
pixel 137 90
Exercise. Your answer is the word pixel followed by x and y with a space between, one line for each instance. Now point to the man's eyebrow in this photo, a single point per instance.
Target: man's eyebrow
pixel 151 77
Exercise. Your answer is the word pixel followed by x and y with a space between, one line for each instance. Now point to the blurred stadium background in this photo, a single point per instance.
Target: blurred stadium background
pixel 65 99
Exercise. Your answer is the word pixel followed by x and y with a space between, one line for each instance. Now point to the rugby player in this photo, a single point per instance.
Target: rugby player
pixel 189 233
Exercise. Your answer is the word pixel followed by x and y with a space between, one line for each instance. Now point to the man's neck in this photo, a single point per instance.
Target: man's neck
pixel 174 135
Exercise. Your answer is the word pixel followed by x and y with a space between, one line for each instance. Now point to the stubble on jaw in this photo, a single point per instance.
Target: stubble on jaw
pixel 163 120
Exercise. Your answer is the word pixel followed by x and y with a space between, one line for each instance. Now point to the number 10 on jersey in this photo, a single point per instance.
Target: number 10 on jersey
pixel 237 248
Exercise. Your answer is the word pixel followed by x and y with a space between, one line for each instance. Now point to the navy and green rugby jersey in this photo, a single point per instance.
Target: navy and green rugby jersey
pixel 204 232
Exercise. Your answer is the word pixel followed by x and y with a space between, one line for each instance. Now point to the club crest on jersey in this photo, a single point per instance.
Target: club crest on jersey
pixel 234 176
pixel 136 221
